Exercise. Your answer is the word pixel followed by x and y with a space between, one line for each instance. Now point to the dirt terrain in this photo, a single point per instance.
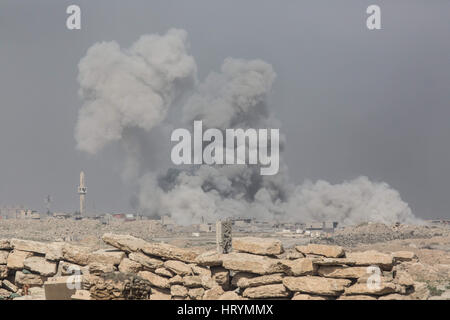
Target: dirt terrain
pixel 431 244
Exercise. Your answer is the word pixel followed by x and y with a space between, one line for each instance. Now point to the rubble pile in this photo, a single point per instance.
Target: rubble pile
pixel 116 285
pixel 54 229
pixel 378 232
pixel 257 268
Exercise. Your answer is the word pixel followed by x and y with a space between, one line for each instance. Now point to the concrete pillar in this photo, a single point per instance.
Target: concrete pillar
pixel 223 236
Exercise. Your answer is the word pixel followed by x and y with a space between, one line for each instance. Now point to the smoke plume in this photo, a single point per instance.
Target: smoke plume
pixel 352 202
pixel 130 87
pixel 133 89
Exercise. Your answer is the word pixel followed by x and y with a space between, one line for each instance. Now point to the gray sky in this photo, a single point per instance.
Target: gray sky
pixel 352 101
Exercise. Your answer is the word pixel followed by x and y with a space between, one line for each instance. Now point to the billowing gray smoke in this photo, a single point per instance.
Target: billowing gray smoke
pixel 234 98
pixel 351 202
pixel 125 90
pixel 134 87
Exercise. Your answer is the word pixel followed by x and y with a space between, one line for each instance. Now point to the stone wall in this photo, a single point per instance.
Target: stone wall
pixel 257 268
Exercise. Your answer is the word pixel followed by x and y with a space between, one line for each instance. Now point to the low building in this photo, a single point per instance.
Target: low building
pixel 206 227
pixel 167 221
pixel 61 215
pixel 11 211
pixel 35 216
pixel 119 216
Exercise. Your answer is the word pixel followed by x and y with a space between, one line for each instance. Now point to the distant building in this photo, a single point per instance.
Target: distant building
pixel 167 221
pixel 206 227
pixel 106 218
pixel 120 216
pixel 442 221
pixel 241 222
pixel 62 215
pixel 35 216
pixel 11 212
pixel 326 226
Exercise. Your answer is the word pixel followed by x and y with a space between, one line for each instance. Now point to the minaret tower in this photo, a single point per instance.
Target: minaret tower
pixel 82 193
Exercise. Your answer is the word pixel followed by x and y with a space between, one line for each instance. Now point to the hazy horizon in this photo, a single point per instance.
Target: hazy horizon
pixel 351 102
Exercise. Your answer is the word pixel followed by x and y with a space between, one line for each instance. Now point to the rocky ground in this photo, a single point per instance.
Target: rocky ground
pixel 257 268
pixel 86 230
pixel 368 233
pixel 430 246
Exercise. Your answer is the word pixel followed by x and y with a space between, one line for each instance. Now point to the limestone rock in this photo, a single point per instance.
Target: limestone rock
pixel 260 281
pixel 28 245
pixel 154 279
pixel 178 267
pixel 196 293
pixel 4 256
pixel 261 246
pixel 9 286
pixel 176 280
pixel 342 272
pixel 30 297
pixel 76 254
pixel 372 257
pixel 160 294
pixel 230 295
pixel 384 278
pixel 81 295
pixel 124 242
pixel 87 280
pixel 253 263
pixel 301 267
pixel 3 271
pixel 107 256
pixel 324 261
pixel 266 291
pixel 40 265
pixel 209 259
pixel 164 272
pixel 5 244
pixel 303 296
pixel 99 268
pixel 316 285
pixel 16 258
pixel 421 291
pixel 322 250
pixel 168 251
pixel 66 269
pixel 357 297
pixel 130 266
pixel 400 256
pixel 220 275
pixel 178 291
pixel 394 296
pixel 364 289
pixel 4 294
pixel 119 286
pixel 29 279
pixel 213 293
pixel 241 275
pixel 293 255
pixel 424 272
pixel 209 283
pixel 54 251
pixel 403 278
pixel 192 281
pixel 148 262
pixel 201 271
